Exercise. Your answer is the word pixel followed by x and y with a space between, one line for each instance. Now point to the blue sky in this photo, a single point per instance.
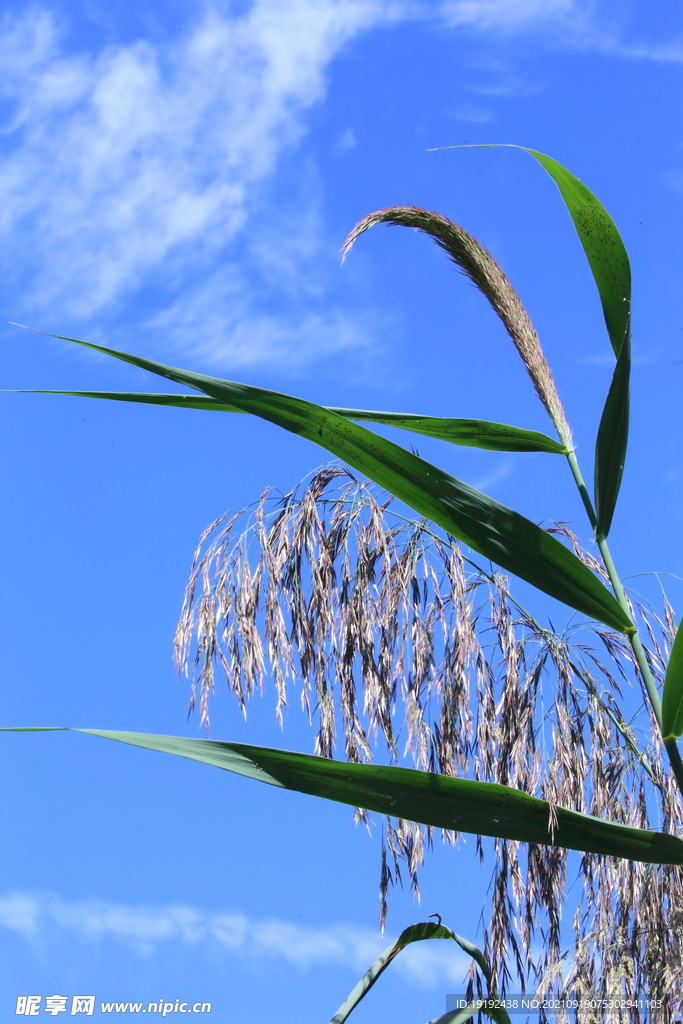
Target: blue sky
pixel 177 180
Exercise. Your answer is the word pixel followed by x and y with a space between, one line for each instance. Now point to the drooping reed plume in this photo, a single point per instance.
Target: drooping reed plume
pixel 398 647
pixel 477 263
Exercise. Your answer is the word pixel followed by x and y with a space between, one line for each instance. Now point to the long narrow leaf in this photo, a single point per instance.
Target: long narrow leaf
pixel 672 695
pixel 612 441
pixel 599 236
pixel 488 527
pixel 482 808
pixel 608 259
pixel 416 933
pixel 495 437
pixel 602 244
pixel 463 1014
pixel 609 263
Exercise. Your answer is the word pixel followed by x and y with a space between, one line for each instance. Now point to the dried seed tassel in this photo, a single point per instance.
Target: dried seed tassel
pixel 478 264
pixel 389 633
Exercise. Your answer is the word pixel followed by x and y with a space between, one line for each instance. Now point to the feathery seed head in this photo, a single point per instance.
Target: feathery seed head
pixel 479 266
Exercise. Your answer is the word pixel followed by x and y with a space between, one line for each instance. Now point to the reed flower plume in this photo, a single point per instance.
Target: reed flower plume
pixel 399 648
pixel 484 272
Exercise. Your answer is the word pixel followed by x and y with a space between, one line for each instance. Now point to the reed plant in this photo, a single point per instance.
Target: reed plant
pixel 515 731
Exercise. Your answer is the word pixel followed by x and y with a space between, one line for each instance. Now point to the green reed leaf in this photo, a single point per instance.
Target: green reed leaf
pixel 482 808
pixel 672 695
pixel 418 933
pixel 612 441
pixel 600 238
pixel 602 244
pixel 485 525
pixel 611 269
pixel 609 263
pixel 466 1012
pixel 496 437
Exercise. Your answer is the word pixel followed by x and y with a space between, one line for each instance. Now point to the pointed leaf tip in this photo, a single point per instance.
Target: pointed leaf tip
pixel 672 695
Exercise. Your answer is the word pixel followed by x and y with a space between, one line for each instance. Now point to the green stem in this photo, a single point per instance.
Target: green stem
pixel 634 637
pixel 583 490
pixel 675 758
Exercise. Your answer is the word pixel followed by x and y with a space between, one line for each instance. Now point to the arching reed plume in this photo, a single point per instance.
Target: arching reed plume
pixel 399 649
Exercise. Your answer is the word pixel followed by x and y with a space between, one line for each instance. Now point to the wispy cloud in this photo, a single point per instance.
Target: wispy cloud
pixel 346 141
pixel 472 114
pixel 576 24
pixel 42 917
pixel 140 166
pixel 496 476
pixel 604 358
pixel 504 16
pixel 149 176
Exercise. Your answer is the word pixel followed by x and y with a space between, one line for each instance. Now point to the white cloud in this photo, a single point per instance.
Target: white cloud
pixel 578 24
pixel 217 310
pixel 146 171
pixel 346 141
pixel 472 114
pixel 497 475
pixel 38 917
pixel 507 15
pixel 604 357
pixel 144 157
